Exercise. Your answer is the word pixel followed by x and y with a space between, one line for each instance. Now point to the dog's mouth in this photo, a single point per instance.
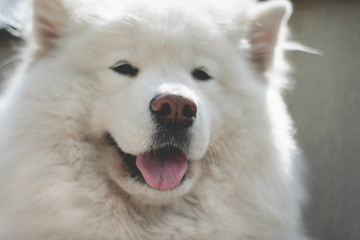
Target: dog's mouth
pixel 163 168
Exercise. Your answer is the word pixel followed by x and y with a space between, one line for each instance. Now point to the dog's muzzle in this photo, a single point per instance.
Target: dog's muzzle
pixel 164 166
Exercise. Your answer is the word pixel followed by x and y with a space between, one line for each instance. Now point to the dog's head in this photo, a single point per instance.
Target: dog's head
pixel 163 83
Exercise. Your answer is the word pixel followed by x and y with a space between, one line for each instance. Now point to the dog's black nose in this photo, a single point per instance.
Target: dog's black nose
pixel 173 111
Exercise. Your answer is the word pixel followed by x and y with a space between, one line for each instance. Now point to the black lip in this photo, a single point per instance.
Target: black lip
pixel 130 160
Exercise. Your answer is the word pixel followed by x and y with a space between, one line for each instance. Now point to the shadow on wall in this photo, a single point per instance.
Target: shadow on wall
pixel 8 57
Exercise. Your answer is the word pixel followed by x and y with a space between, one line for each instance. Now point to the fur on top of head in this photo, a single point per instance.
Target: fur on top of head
pixel 257 27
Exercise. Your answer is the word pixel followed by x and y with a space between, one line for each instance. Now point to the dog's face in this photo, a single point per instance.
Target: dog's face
pixel 164 84
pixel 155 102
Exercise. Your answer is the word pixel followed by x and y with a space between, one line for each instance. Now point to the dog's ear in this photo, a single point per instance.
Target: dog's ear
pixel 266 23
pixel 50 19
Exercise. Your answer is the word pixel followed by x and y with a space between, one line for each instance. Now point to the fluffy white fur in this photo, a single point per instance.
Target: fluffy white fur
pixel 59 178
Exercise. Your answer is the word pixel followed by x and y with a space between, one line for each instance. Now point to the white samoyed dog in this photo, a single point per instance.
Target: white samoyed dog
pixel 150 120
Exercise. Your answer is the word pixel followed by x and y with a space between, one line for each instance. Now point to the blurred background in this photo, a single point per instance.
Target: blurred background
pixel 324 103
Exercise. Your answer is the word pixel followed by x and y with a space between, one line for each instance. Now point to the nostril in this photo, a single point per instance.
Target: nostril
pixel 188 112
pixel 165 109
pixel 160 106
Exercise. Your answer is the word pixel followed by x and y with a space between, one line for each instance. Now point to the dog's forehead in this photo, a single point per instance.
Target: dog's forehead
pixel 144 35
pixel 164 27
pixel 169 33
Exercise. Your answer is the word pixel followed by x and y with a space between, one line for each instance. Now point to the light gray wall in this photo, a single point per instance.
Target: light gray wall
pixel 325 105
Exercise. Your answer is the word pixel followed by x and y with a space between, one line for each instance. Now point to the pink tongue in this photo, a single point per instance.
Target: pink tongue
pixel 163 172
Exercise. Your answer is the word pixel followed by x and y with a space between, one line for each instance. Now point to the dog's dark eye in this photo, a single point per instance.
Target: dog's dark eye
pixel 125 68
pixel 200 74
